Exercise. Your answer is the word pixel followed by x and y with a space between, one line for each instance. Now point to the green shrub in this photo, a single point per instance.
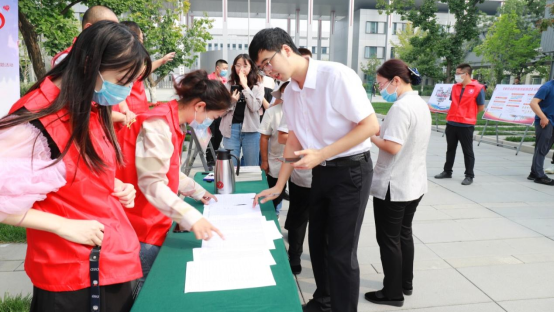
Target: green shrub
pixel 12 234
pixel 16 303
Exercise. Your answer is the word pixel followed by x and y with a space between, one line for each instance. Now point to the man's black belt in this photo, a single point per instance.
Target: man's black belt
pixel 348 161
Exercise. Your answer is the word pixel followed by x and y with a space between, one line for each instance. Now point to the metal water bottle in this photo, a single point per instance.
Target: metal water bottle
pixel 224 172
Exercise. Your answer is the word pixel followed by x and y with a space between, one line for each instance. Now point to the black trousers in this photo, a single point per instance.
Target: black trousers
pixel 338 200
pixel 297 220
pixel 393 224
pixel 113 298
pixel 464 135
pixel 271 182
pixel 544 138
pixel 216 139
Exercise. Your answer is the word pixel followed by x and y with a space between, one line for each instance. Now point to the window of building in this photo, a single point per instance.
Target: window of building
pixel 209 46
pixel 246 45
pixel 536 80
pixel 314 50
pixel 392 53
pixel 324 50
pixel 398 27
pixel 378 52
pixel 221 45
pixel 228 45
pixel 240 46
pixel 234 46
pixel 371 27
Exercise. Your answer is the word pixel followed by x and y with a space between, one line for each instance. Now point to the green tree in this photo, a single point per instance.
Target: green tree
pixel 439 42
pixel 427 64
pixel 370 67
pixel 50 25
pixel 512 47
pixel 163 35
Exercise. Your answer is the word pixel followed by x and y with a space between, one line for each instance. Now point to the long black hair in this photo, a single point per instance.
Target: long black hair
pixel 252 77
pixel 103 46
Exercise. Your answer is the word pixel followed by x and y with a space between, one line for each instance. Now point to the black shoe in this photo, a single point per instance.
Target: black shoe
pixel 314 306
pixel 407 292
pixel 444 175
pixel 467 181
pixel 545 181
pixel 531 177
pixel 296 269
pixel 377 297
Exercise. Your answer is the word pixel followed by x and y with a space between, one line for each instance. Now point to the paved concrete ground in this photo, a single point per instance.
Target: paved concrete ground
pixel 488 247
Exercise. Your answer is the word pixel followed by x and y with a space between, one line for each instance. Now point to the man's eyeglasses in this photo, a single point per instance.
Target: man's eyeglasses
pixel 266 68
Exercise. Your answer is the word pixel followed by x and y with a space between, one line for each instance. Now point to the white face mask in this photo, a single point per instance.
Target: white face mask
pixel 458 78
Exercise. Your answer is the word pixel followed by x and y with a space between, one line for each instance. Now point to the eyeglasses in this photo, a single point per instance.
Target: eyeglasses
pixel 380 86
pixel 266 68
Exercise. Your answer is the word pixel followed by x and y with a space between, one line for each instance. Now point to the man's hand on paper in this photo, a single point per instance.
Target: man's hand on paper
pixel 268 195
pixel 203 229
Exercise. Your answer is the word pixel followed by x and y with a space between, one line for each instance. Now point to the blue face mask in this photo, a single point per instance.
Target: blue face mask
pixel 203 126
pixel 223 73
pixel 389 97
pixel 111 93
pixel 201 130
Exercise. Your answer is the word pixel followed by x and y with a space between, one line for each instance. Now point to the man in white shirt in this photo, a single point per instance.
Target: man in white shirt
pixel 330 121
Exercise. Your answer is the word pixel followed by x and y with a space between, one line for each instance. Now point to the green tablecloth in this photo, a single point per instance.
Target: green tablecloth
pixel 164 288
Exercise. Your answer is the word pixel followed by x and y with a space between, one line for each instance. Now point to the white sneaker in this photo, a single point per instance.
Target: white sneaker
pixel 550 170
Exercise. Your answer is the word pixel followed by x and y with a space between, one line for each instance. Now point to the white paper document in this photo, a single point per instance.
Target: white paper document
pixel 271 231
pixel 232 199
pixel 227 275
pixel 207 254
pixel 241 210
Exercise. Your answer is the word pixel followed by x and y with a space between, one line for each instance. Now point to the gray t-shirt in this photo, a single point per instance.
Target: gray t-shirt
pixel 408 123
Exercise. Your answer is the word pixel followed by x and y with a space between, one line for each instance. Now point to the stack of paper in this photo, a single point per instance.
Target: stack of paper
pixel 249 173
pixel 243 258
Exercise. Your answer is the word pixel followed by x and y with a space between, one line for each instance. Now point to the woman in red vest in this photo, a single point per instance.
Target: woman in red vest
pixel 59 155
pixel 136 103
pixel 152 149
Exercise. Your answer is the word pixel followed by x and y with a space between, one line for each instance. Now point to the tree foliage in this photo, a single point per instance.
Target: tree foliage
pixel 445 45
pixel 370 67
pixel 427 64
pixel 48 26
pixel 512 42
pixel 162 34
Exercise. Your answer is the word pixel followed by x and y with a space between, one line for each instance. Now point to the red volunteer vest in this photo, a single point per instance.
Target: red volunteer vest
pixel 56 264
pixel 66 51
pixel 464 111
pixel 137 101
pixel 150 224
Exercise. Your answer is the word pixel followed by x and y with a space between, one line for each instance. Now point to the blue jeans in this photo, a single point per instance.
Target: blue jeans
pixel 248 141
pixel 148 254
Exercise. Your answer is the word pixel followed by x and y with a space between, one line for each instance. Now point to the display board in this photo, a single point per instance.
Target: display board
pixel 440 98
pixel 9 55
pixel 511 104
